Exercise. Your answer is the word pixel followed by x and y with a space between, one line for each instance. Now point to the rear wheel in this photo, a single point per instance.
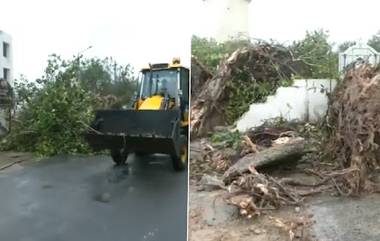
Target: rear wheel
pixel 119 156
pixel 180 162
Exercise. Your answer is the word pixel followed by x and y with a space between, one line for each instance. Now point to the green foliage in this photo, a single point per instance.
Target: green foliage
pixel 317 52
pixel 55 110
pixel 210 52
pixel 374 41
pixel 227 138
pixel 95 76
pixel 105 77
pixel 243 94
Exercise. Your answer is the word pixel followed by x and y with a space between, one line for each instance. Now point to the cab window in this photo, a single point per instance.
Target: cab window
pixel 160 82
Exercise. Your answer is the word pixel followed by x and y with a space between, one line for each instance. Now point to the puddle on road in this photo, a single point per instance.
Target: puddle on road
pixel 119 173
pixel 103 197
pixel 110 181
pixel 47 186
pixel 22 182
pixel 117 181
pixel 160 163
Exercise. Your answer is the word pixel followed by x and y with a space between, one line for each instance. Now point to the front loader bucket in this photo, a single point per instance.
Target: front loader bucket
pixel 143 131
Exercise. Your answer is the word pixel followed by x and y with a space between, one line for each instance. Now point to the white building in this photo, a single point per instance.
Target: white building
pixel 231 18
pixel 359 51
pixel 6 67
pixel 6 72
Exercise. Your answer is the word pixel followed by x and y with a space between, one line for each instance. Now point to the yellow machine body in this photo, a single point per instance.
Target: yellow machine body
pixel 157 121
pixel 151 103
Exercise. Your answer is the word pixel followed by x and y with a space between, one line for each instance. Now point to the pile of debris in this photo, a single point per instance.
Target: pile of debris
pixel 257 192
pixel 252 72
pixel 352 140
pixel 266 144
pixel 207 157
pixel 353 144
pixel 241 169
pixel 253 192
pixel 354 122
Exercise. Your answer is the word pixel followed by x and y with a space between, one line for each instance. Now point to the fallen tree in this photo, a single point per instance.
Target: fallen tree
pixel 246 155
pixel 61 103
pixel 199 76
pixel 354 125
pixel 248 75
pixel 287 152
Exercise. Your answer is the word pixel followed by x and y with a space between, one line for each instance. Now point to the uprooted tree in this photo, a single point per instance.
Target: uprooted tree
pixel 199 76
pixel 245 72
pixel 354 124
pixel 248 75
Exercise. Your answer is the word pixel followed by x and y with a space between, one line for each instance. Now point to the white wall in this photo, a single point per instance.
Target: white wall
pixel 301 101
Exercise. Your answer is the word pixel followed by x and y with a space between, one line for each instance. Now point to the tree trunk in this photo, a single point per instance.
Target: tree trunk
pixel 290 151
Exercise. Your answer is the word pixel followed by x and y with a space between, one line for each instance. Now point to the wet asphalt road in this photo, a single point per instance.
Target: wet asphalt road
pixel 87 198
pixel 346 219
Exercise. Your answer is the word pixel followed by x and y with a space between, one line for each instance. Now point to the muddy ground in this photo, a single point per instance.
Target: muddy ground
pixel 331 218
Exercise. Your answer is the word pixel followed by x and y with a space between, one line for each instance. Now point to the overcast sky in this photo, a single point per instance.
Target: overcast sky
pixel 135 32
pixel 286 20
pixel 143 31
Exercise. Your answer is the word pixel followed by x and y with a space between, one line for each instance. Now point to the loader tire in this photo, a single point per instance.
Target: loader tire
pixel 119 157
pixel 180 162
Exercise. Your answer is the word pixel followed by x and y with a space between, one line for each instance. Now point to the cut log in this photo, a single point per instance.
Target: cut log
pixel 290 151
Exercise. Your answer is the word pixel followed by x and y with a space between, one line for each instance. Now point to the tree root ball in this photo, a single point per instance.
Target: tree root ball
pixel 353 122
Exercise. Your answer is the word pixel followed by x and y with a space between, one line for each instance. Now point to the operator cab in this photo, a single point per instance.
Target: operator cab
pixel 159 82
pixel 163 86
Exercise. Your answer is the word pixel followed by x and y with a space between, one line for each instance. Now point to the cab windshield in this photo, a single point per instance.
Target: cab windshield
pixel 159 82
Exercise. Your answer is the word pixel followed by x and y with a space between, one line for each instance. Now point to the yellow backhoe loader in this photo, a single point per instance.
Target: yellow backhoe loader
pixel 157 121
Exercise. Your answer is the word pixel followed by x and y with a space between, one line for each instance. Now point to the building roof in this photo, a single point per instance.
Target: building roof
pixel 360 45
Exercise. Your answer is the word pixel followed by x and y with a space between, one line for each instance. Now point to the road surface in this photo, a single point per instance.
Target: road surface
pixel 346 219
pixel 87 198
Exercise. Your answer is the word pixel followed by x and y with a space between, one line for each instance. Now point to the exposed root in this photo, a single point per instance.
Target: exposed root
pixel 354 123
